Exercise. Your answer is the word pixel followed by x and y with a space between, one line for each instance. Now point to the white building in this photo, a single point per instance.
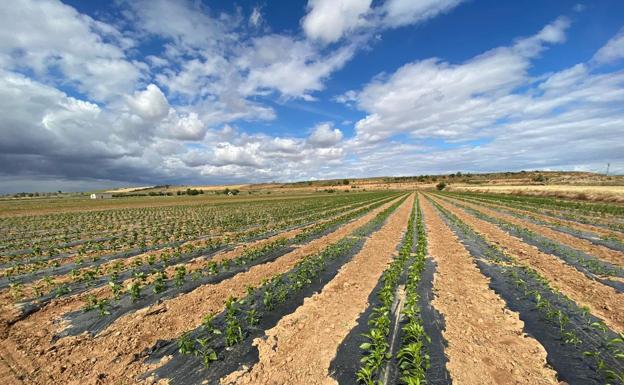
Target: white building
pixel 101 196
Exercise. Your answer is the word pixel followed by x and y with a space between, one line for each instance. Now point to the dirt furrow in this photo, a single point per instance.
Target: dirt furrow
pixel 300 348
pixel 546 218
pixel 603 301
pixel 486 342
pixel 604 253
pixel 113 356
pixel 77 301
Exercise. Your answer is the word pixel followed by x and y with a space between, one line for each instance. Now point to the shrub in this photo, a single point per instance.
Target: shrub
pixel 441 186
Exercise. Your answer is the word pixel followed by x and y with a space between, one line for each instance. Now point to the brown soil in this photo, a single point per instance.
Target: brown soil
pixel 603 301
pixel 486 342
pixel 604 253
pixel 299 349
pixel 112 356
pixel 6 297
pixel 555 221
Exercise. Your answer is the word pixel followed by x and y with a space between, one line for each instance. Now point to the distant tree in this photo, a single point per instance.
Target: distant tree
pixel 345 182
pixel 441 186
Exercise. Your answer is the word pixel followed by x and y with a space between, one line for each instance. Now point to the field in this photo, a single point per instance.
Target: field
pixel 394 286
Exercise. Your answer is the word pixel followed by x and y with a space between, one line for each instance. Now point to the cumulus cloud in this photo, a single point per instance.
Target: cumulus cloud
pixel 328 20
pixel 150 104
pixel 49 36
pixel 324 135
pixel 452 101
pixel 79 103
pixel 490 112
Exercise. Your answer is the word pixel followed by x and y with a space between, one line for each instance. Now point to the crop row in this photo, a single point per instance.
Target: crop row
pixel 223 342
pixel 54 266
pixel 100 232
pixel 144 283
pixel 580 346
pixel 408 363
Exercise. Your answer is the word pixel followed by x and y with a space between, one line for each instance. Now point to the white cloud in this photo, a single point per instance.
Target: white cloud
pixel 255 19
pixel 329 20
pixel 324 135
pixel 187 23
pixel 292 67
pixel 452 101
pixel 48 36
pixel 186 127
pixel 398 13
pixel 150 104
pixel 611 52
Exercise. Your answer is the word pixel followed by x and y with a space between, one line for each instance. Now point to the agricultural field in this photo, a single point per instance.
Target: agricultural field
pixel 411 286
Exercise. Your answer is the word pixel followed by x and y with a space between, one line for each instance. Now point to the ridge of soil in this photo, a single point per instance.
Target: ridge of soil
pixel 300 348
pixel 612 256
pixel 486 343
pixel 112 356
pixel 603 301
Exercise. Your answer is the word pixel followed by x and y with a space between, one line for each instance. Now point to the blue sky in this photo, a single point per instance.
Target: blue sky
pixel 99 94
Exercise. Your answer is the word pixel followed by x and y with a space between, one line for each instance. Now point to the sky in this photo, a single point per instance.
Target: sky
pixel 100 94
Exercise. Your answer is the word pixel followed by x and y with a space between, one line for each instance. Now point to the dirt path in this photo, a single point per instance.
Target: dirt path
pixel 603 301
pixel 486 342
pixel 604 253
pixel 299 349
pixel 112 356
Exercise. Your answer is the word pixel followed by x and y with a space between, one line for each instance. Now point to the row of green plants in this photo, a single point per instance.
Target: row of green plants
pixel 411 358
pixel 161 282
pixel 169 256
pixel 537 289
pixel 544 208
pixel 376 349
pixel 117 230
pixel 553 222
pixel 573 256
pixel 242 316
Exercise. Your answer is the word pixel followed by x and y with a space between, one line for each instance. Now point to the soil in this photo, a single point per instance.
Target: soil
pixel 555 221
pixel 113 355
pixel 603 301
pixel 300 348
pixel 486 341
pixel 612 256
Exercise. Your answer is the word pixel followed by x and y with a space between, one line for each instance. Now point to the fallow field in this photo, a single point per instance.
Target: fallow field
pixel 377 287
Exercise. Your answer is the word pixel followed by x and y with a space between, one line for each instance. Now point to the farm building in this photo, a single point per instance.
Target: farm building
pixel 101 196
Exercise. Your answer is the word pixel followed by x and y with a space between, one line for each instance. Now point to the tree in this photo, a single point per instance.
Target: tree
pixel 441 186
pixel 345 182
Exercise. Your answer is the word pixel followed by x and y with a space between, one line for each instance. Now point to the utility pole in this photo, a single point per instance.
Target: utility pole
pixel 608 165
